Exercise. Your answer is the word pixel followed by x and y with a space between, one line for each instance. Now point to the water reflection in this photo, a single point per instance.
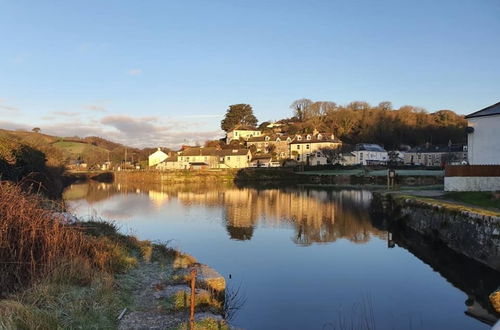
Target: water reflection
pixel 258 236
pixel 317 216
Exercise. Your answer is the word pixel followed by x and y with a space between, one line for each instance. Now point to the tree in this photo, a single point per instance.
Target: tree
pixel 238 114
pixel 36 129
pixel 299 107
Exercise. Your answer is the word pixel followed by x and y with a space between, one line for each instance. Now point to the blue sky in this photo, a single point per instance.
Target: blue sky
pixel 164 72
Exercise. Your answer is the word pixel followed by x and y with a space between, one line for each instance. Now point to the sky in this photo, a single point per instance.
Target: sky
pixel 151 73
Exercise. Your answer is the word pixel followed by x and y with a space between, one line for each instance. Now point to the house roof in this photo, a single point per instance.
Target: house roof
pixel 233 152
pixel 272 138
pixel 245 128
pixel 325 138
pixel 488 111
pixel 200 151
pixel 369 147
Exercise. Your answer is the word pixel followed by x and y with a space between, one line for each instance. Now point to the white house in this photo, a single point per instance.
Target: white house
pixel 157 157
pixel 483 141
pixel 483 138
pixel 370 154
pixel 242 132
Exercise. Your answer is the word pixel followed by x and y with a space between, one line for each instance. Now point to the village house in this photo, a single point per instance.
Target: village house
pixel 304 147
pixel 261 161
pixel 275 144
pixel 347 159
pixel 234 158
pixel 242 133
pixel 171 163
pixel 370 154
pixel 484 135
pixel 157 157
pixel 198 157
pixel 483 171
pixel 436 155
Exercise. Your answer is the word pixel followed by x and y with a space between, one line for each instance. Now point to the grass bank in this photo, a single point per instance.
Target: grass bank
pixel 476 198
pixel 56 273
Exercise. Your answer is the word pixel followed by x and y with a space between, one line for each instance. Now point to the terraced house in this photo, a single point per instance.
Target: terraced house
pixel 306 148
pixel 242 133
pixel 273 144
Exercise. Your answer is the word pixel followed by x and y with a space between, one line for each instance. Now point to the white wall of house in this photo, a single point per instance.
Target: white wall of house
pixel 364 157
pixel 245 134
pixel 484 142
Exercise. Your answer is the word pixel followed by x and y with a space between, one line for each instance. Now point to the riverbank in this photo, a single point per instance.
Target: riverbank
pixel 57 272
pixel 469 230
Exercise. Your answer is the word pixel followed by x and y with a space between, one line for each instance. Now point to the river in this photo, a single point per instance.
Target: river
pixel 302 257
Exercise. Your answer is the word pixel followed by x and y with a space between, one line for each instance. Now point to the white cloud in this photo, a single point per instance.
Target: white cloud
pixel 7 108
pixel 95 107
pixel 132 131
pixel 135 72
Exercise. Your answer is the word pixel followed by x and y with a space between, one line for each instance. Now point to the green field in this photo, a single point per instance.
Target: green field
pixel 376 172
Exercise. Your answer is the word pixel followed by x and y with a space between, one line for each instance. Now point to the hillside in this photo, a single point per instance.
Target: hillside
pixel 66 150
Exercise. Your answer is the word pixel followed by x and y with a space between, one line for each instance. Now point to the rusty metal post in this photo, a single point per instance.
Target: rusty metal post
pixel 193 286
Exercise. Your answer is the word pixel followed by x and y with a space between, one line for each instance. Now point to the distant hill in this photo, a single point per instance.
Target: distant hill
pixel 65 150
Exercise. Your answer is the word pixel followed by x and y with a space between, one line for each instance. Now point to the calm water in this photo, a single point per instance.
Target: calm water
pixel 304 258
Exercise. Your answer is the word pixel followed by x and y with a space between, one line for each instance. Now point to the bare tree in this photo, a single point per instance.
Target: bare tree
pixel 299 107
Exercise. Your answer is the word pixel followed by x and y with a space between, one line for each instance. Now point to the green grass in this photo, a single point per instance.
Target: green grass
pixel 476 198
pixel 449 205
pixel 376 172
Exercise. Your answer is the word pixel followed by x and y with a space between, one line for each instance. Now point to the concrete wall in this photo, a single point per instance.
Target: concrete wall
pixel 471 183
pixel 484 142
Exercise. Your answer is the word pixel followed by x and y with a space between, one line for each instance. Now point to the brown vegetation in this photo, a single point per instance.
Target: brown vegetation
pixel 36 242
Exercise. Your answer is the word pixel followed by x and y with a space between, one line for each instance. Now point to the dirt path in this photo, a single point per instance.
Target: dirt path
pixel 146 311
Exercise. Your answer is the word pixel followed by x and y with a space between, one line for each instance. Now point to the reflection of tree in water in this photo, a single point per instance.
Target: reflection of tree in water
pixel 240 233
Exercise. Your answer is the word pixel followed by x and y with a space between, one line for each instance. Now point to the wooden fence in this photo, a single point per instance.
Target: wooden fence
pixel 472 170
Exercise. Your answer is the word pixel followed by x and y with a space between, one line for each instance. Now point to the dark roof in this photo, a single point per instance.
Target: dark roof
pixel 369 147
pixel 488 111
pixel 200 151
pixel 245 128
pixel 233 152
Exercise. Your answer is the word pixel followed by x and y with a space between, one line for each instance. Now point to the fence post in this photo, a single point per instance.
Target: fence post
pixel 193 285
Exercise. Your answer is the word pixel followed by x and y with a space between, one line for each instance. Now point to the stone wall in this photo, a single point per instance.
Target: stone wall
pixel 472 234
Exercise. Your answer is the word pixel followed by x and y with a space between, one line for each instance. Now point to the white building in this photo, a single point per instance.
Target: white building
pixel 242 132
pixel 370 154
pixel 483 140
pixel 484 136
pixel 157 157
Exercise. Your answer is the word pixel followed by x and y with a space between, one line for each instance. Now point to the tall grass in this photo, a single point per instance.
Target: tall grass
pixel 35 243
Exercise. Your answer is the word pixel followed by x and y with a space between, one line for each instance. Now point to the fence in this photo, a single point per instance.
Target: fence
pixel 472 170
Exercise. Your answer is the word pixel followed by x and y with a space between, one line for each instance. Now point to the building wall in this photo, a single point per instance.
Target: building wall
pixel 212 161
pixel 237 134
pixel 236 161
pixel 364 156
pixel 300 151
pixel 483 143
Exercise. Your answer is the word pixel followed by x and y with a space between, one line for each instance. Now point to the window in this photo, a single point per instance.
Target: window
pixel 298 146
pixel 235 133
pixel 299 138
pixel 228 158
pixel 320 137
pixel 361 155
pixel 267 138
pixel 307 146
pixel 308 137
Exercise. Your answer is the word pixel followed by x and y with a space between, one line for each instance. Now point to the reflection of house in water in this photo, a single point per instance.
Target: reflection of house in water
pixel 317 215
pixel 159 198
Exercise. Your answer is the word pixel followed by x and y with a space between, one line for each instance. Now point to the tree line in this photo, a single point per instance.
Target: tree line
pixel 360 122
